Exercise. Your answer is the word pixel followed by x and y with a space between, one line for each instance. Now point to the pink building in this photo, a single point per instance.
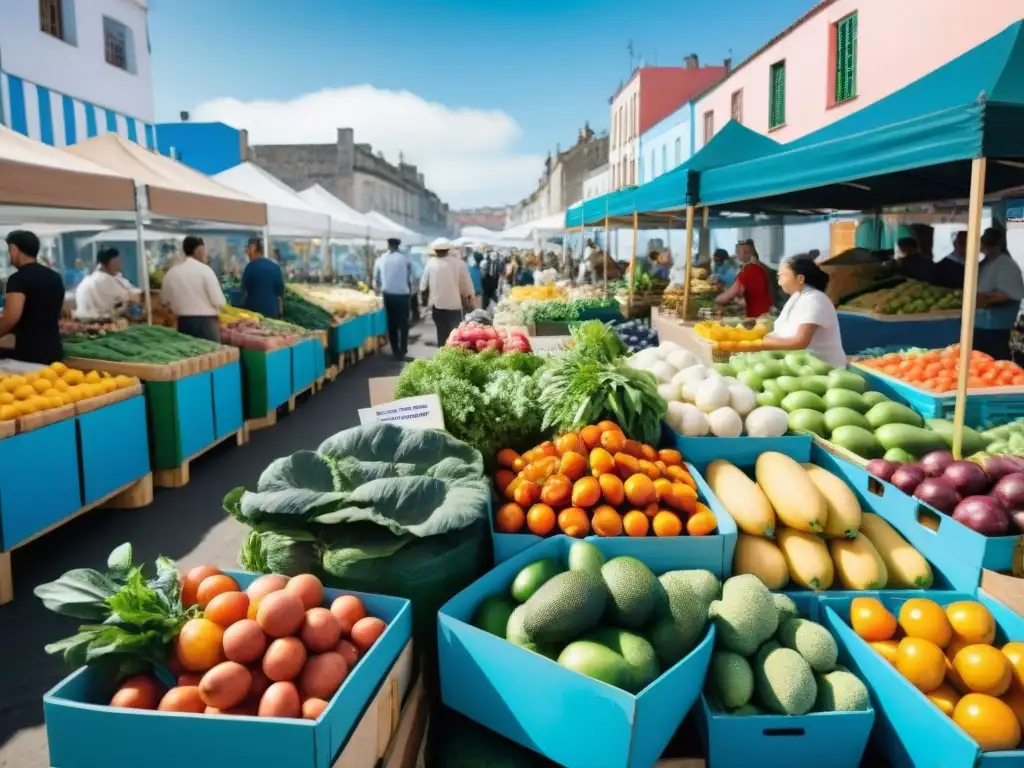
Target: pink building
pixel 843 55
pixel 650 95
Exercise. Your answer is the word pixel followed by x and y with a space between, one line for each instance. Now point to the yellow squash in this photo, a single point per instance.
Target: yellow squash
pixel 858 564
pixel 742 499
pixel 796 500
pixel 807 557
pixel 906 566
pixel 844 514
pixel 762 558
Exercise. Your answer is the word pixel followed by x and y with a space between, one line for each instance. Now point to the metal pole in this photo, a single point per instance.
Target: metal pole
pixel 140 243
pixel 326 255
pixel 607 245
pixel 688 255
pixel 977 201
pixel 632 262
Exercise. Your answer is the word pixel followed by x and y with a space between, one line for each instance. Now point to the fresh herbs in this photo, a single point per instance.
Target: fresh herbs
pixel 565 311
pixel 597 341
pixel 133 620
pixel 577 390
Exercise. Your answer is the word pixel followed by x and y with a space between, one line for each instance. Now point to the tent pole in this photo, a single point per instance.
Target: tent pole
pixel 632 263
pixel 704 249
pixel 326 257
pixel 977 201
pixel 266 242
pixel 688 255
pixel 607 247
pixel 140 239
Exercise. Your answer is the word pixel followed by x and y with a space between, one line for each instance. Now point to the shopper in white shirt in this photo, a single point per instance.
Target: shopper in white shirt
pixel 808 320
pixel 447 289
pixel 105 292
pixel 193 293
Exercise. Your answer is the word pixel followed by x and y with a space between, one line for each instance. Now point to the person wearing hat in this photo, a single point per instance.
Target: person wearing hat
pixel 262 282
pixel 33 303
pixel 447 289
pixel 392 277
pixel 193 293
pixel 105 292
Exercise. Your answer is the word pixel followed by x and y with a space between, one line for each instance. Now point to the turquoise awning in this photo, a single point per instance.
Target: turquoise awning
pixel 915 145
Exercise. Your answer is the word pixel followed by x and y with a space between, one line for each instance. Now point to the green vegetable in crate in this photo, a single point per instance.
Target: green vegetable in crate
pixel 140 344
pixel 304 313
pixel 784 681
pixel 841 691
pixel 730 680
pixel 810 640
pixel 746 615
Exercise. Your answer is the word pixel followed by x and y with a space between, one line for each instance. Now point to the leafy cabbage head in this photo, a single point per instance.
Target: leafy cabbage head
pixel 366 483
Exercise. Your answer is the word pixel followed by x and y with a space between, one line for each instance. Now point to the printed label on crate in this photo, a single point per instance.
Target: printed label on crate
pixel 423 412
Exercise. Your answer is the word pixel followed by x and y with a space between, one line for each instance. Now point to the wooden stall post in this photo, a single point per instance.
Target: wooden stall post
pixel 977 201
pixel 688 255
pixel 632 263
pixel 704 249
pixel 143 262
pixel 607 246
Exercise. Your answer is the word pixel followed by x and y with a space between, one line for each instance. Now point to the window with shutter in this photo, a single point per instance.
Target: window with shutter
pixel 777 95
pixel 846 58
pixel 51 18
pixel 737 105
pixel 709 125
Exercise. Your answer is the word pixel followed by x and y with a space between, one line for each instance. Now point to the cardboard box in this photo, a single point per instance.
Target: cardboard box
pixel 382 389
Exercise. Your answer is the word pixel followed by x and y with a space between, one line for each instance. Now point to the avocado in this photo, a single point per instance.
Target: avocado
pixel 632 591
pixel 844 398
pixel 871 399
pixel 804 419
pixel 973 441
pixel 893 413
pixel 816 384
pixel 635 649
pixel 493 613
pixel 532 576
pixel 840 379
pixel 797 400
pixel 584 556
pixel 842 417
pixel 565 607
pixel 599 662
pixel 858 440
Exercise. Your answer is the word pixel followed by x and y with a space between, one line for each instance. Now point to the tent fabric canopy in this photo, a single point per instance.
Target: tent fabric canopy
pixel 357 224
pixel 398 230
pixel 915 145
pixel 175 190
pixel 287 213
pixel 35 174
pixel 548 225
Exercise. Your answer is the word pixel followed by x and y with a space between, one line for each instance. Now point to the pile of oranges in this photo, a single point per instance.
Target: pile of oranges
pixel 937 370
pixel 24 393
pixel 598 481
pixel 949 655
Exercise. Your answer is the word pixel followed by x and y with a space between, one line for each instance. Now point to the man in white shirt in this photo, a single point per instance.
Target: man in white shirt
pixel 193 293
pixel 392 276
pixel 447 289
pixel 104 292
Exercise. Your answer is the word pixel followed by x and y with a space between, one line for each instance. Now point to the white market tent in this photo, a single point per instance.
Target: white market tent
pixel 399 230
pixel 322 200
pixel 288 215
pixel 481 234
pixel 538 228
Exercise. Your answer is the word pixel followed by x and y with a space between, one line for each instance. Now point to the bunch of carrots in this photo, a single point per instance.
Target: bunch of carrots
pixel 598 481
pixel 937 370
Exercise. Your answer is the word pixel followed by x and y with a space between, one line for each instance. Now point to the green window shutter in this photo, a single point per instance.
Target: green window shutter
pixel 846 58
pixel 777 95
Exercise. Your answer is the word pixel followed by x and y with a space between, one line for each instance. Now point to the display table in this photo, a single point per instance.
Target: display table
pixel 863 330
pixel 266 384
pixel 95 456
pixel 681 332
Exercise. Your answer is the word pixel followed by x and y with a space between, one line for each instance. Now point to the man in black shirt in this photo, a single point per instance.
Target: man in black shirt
pixel 33 303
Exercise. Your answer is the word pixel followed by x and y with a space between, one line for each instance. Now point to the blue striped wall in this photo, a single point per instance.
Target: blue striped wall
pixel 59 120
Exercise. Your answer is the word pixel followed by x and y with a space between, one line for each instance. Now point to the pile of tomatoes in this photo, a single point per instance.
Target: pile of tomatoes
pixel 598 481
pixel 937 370
pixel 949 655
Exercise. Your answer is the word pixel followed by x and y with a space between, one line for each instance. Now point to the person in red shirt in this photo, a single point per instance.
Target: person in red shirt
pixel 752 282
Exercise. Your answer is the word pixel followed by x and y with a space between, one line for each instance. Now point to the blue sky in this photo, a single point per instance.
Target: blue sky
pixel 547 66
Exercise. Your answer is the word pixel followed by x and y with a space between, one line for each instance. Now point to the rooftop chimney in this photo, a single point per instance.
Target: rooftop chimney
pixel 691 61
pixel 184 116
pixel 727 64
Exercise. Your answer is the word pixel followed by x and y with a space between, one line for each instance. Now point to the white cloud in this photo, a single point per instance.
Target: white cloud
pixel 466 155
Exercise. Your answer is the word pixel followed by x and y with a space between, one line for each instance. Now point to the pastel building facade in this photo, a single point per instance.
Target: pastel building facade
pixel 74 69
pixel 666 144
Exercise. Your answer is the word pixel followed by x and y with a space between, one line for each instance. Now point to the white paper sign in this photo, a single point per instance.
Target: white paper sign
pixel 422 412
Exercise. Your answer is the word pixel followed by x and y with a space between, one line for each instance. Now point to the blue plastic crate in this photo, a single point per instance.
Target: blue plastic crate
pixel 861 332
pixel 84 733
pixel 114 447
pixel 741 451
pixel 712 552
pixel 911 730
pixel 350 335
pixel 572 719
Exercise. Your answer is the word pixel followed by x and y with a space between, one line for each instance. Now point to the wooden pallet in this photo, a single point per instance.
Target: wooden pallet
pixel 292 400
pixel 260 422
pixel 179 476
pixel 131 496
pixel 332 370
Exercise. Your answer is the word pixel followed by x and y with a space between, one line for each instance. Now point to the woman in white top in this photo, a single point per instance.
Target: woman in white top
pixel 808 320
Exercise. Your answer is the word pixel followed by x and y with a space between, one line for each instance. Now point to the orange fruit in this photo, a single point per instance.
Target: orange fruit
pixel 569 442
pixel 1014 699
pixel 685 496
pixel 679 474
pixel 586 492
pixel 925 619
pixel 640 490
pixel 1014 651
pixel 200 645
pixel 871 620
pixel 971 621
pixel 701 524
pixel 652 509
pixel 557 491
pixel 573 521
pixel 591 437
pixel 989 721
pixel 670 456
pixel 191 581
pixel 601 462
pixel 663 487
pixel 606 521
pixel 606 426
pixel 526 494
pixel 633 448
pixel 626 465
pixel 984 669
pixel 215 585
pixel 886 649
pixel 667 524
pixel 227 608
pixel 510 518
pixel 573 465
pixel 635 523
pixel 540 519
pixel 648 452
pixel 547 448
pixel 503 479
pixel 612 489
pixel 613 441
pixel 650 469
pixel 953 677
pixel 921 662
pixel 507 458
pixel 956 645
pixel 945 698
